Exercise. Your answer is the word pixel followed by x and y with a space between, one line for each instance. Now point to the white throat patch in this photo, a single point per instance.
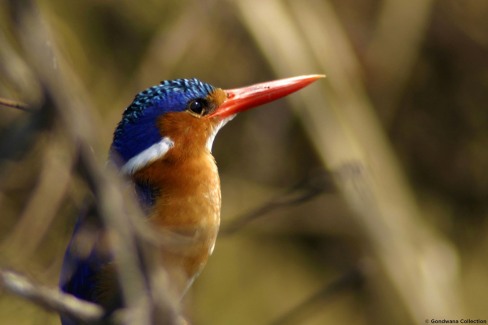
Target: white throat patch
pixel 154 152
pixel 211 138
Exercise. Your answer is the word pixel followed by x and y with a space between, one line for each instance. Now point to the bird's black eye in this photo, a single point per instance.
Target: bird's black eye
pixel 198 106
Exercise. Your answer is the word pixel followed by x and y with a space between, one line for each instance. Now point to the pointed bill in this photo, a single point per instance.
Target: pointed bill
pixel 241 99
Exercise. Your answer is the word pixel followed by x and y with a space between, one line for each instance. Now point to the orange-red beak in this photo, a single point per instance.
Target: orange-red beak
pixel 245 98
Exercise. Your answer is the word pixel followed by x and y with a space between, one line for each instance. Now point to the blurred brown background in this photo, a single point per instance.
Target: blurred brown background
pixel 400 124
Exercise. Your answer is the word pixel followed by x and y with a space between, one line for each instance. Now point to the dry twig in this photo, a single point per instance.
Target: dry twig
pixel 51 299
pixel 13 104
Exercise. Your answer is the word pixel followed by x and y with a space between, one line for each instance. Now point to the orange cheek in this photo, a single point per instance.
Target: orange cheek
pixel 189 133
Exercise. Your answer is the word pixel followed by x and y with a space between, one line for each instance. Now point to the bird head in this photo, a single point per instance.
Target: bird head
pixel 186 114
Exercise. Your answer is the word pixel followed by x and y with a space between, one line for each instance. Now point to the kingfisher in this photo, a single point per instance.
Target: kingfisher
pixel 162 146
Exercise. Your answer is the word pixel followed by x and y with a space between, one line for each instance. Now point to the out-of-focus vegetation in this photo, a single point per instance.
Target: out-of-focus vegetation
pixel 404 107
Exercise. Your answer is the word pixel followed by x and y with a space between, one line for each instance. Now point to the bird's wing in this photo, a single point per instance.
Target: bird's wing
pixel 87 271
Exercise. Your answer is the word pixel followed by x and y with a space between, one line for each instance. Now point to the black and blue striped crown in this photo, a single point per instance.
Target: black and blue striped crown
pixel 182 89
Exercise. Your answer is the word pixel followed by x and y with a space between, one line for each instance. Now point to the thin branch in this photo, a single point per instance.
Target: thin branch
pixel 14 104
pixel 50 298
pixel 19 136
pixel 314 184
pixel 351 279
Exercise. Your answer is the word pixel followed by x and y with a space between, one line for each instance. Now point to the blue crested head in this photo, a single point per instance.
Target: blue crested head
pixel 138 128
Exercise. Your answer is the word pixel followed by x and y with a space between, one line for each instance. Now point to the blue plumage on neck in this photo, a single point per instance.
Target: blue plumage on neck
pixel 132 138
pixel 147 195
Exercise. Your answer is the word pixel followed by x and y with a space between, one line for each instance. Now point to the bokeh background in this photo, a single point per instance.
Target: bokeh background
pixel 366 195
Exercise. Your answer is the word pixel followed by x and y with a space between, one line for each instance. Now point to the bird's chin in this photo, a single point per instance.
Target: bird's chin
pixel 221 122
